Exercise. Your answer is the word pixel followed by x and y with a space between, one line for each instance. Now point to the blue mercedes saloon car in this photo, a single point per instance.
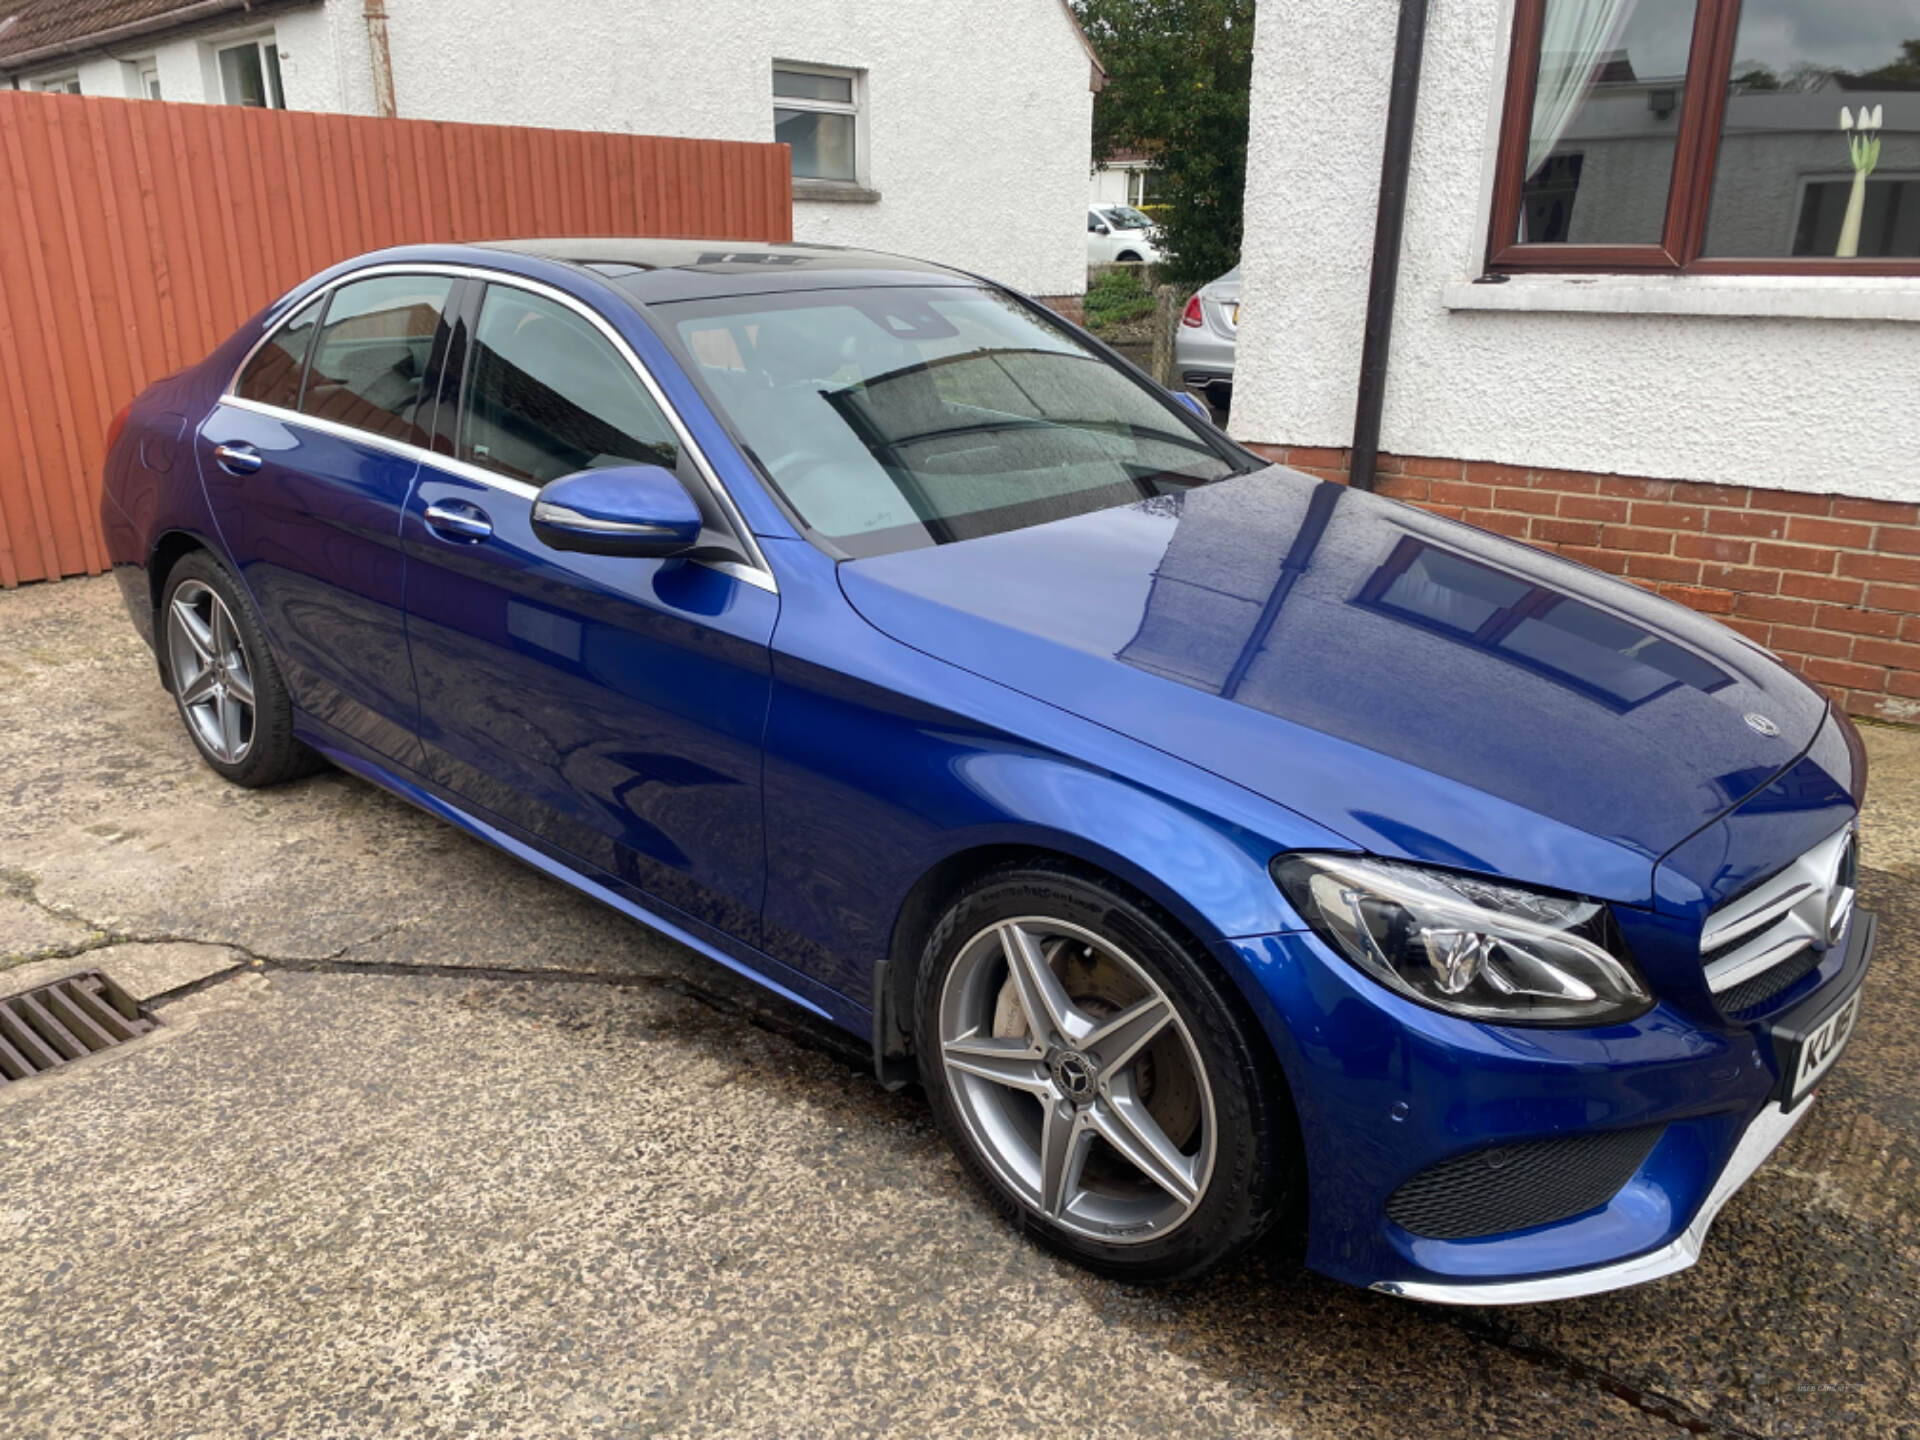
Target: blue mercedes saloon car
pixel 1218 847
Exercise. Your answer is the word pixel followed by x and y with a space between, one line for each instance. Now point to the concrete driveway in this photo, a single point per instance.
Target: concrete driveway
pixel 429 1145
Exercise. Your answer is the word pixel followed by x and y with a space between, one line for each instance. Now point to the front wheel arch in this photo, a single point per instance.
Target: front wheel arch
pixel 896 976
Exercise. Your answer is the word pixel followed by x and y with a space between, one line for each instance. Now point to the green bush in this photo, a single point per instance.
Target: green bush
pixel 1116 297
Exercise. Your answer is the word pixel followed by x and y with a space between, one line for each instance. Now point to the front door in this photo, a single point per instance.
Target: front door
pixel 307 486
pixel 612 708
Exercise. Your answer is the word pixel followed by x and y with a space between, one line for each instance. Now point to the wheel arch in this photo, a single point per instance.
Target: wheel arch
pixel 168 550
pixel 896 975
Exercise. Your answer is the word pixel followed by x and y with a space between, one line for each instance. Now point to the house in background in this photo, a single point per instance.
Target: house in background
pixel 1659 296
pixel 898 112
pixel 1123 178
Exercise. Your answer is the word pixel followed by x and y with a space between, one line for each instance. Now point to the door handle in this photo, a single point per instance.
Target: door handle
pixel 457 520
pixel 238 459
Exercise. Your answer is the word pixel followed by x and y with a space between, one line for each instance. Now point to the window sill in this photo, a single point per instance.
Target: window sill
pixel 1773 297
pixel 841 192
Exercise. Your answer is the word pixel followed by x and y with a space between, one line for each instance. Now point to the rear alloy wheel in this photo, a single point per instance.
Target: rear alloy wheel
pixel 1094 1077
pixel 212 676
pixel 224 679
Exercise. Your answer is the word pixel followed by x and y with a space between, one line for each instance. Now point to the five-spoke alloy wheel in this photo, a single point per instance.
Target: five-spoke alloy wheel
pixel 224 677
pixel 211 669
pixel 1086 1062
pixel 1052 1040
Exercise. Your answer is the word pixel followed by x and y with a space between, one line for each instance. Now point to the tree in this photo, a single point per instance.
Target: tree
pixel 1178 77
pixel 1902 72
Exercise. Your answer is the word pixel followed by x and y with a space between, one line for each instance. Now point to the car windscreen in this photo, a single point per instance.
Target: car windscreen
pixel 899 417
pixel 1125 217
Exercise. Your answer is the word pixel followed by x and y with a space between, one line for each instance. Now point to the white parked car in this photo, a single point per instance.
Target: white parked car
pixel 1121 233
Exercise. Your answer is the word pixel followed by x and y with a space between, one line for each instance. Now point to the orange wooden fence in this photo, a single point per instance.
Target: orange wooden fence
pixel 136 235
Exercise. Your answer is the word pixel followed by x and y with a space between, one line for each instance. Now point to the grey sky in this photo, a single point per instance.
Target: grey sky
pixel 1843 34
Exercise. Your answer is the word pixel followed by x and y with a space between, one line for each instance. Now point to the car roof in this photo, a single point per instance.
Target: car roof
pixel 659 271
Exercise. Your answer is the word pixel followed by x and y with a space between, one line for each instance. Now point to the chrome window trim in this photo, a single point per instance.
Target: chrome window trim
pixel 759 573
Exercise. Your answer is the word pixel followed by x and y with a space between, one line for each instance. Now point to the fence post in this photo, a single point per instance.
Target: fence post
pixel 1167 301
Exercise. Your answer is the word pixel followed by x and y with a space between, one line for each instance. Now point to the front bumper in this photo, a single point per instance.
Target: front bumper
pixel 1762 1138
pixel 1386 1089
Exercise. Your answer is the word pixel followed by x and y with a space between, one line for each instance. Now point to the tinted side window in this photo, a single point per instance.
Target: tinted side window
pixel 547 395
pixel 273 375
pixel 371 358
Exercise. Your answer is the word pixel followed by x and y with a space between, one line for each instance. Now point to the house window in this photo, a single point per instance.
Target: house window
pixel 816 111
pixel 147 79
pixel 1715 136
pixel 59 85
pixel 1143 186
pixel 250 74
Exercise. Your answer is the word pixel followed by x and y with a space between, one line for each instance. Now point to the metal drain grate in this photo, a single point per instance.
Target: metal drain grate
pixel 43 1029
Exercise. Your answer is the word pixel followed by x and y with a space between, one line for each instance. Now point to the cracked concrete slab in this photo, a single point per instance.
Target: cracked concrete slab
pixel 396 1206
pixel 358 1199
pixel 1892 821
pixel 28 932
pixel 110 823
pixel 142 970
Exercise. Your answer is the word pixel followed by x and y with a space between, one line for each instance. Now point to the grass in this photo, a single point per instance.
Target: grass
pixel 1116 298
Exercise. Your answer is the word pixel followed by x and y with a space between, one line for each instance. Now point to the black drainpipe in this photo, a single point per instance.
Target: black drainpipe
pixel 1396 160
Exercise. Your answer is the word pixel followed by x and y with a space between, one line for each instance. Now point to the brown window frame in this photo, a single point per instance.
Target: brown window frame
pixel 1696 148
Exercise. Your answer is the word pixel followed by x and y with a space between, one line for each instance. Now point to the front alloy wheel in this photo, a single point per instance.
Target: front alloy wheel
pixel 1077 1080
pixel 1096 1076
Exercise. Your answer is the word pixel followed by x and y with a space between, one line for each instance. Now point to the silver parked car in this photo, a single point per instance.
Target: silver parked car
pixel 1203 342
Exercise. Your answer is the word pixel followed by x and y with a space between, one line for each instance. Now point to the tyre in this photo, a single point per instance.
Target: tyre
pixel 224 679
pixel 1096 1079
pixel 1128 257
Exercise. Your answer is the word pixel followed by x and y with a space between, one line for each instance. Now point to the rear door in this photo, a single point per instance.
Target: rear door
pixel 613 708
pixel 307 467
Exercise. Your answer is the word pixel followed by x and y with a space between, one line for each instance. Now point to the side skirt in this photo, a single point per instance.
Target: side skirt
pixel 754 965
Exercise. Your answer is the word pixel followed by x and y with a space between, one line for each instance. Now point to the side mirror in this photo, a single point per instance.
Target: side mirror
pixel 1102 230
pixel 636 510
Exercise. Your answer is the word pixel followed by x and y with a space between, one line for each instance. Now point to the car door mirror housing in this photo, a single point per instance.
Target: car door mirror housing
pixel 635 510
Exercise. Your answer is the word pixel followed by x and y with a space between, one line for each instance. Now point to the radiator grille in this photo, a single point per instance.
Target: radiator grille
pixel 1759 943
pixel 43 1029
pixel 1515 1187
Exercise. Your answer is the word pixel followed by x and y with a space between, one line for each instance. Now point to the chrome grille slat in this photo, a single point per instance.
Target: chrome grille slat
pixel 1797 908
pixel 1770 911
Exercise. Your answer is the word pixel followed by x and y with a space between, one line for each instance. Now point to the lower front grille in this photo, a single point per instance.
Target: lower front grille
pixel 1515 1187
pixel 1752 994
pixel 43 1029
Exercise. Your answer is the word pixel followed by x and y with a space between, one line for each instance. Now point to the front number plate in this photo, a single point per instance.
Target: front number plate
pixel 1822 1046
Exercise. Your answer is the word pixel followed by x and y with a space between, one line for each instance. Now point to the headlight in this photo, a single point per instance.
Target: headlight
pixel 1468 946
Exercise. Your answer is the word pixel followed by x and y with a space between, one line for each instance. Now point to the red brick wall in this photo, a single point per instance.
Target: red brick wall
pixel 1828 583
pixel 1067 307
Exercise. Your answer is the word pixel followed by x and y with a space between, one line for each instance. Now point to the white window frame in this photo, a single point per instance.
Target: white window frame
pixel 67 84
pixel 146 79
pixel 260 40
pixel 857 108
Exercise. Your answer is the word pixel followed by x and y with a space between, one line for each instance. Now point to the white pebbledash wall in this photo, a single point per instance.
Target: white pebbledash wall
pixel 979 116
pixel 1790 383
